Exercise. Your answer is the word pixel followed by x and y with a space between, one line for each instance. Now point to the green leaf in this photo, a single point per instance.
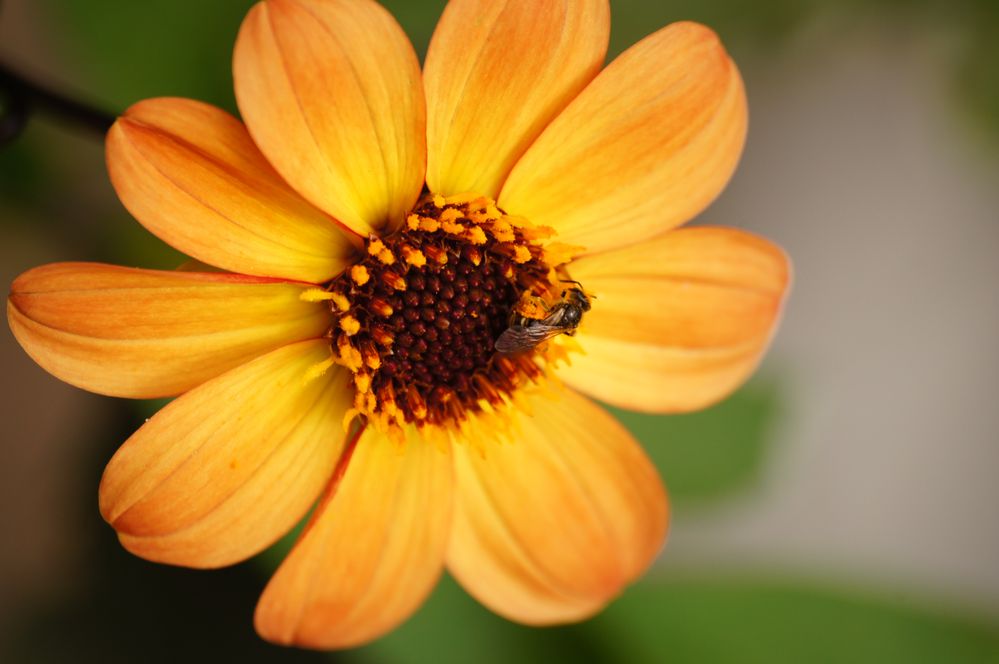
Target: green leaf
pixel 711 454
pixel 154 48
pixel 750 621
pixel 697 621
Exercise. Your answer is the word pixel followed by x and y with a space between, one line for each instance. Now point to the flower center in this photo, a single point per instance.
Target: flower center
pixel 418 318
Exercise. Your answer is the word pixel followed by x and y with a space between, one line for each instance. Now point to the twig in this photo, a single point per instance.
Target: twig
pixel 23 97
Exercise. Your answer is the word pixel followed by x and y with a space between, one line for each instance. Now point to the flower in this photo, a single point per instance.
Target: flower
pixel 372 231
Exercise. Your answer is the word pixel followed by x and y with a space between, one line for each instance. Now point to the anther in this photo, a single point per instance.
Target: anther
pixel 350 357
pixel 436 254
pixel 362 381
pixel 380 307
pixel 350 325
pixel 340 301
pixel 416 403
pixel 413 256
pixel 370 354
pixel 429 225
pixel 393 280
pixel 315 295
pixel 473 255
pixel 382 335
pixel 359 274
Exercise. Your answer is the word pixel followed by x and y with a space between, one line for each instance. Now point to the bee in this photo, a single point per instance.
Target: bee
pixel 562 318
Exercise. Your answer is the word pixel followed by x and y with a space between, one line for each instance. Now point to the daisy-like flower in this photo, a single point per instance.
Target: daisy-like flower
pixel 372 231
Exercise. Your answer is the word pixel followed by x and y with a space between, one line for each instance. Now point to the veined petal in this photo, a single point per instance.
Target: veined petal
pixel 496 74
pixel 331 92
pixel 226 469
pixel 645 147
pixel 370 554
pixel 144 333
pixel 680 321
pixel 190 173
pixel 550 527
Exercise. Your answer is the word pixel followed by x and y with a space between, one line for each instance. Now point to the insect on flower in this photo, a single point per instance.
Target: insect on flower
pixel 563 317
pixel 370 224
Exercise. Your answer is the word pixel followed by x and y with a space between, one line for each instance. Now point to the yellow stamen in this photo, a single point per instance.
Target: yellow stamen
pixel 413 256
pixel 359 274
pixel 318 369
pixel 386 257
pixel 382 335
pixel 521 254
pixel 350 357
pixel 416 403
pixel 531 306
pixel 559 253
pixel 476 235
pixel 381 307
pixel 534 233
pixel 436 254
pixel 362 381
pixel 452 228
pixel 315 295
pixel 502 231
pixel 461 199
pixel 371 357
pixel 473 254
pixel 350 325
pixel 393 280
pixel 340 300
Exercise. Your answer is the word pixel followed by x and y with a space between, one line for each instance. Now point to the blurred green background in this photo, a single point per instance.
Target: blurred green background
pixel 839 508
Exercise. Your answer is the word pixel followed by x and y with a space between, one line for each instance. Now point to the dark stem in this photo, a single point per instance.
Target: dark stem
pixel 21 97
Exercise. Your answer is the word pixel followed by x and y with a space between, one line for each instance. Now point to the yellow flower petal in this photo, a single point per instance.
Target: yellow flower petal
pixel 190 173
pixel 226 469
pixel 143 333
pixel 496 74
pixel 679 321
pixel 645 147
pixel 550 527
pixel 331 93
pixel 371 552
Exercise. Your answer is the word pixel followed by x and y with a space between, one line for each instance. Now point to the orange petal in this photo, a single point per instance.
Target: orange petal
pixel 226 469
pixel 645 147
pixel 679 321
pixel 190 173
pixel 143 333
pixel 496 74
pixel 372 551
pixel 550 527
pixel 331 93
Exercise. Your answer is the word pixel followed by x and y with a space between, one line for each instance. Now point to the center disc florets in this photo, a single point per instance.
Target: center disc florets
pixel 417 318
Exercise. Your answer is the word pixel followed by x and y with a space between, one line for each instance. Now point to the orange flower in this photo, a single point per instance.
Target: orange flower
pixel 374 230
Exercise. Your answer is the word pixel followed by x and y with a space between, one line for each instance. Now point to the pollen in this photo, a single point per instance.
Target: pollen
pixel 359 274
pixel 349 325
pixel 417 318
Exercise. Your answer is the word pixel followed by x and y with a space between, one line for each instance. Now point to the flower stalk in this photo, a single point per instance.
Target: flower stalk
pixel 21 97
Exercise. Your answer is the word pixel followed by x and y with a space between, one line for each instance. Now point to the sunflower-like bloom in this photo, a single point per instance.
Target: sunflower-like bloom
pixel 361 244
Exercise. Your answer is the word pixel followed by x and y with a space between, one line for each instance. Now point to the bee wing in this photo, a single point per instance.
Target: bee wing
pixel 518 338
